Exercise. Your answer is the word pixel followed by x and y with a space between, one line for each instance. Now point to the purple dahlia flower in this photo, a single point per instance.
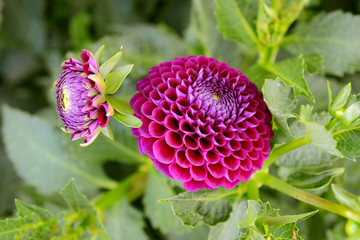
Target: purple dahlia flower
pixel 204 123
pixel 81 98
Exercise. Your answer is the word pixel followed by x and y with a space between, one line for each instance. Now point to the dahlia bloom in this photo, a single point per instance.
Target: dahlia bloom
pixel 204 123
pixel 81 98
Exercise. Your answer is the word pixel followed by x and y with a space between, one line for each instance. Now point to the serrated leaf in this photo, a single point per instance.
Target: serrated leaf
pixel 44 160
pixel 279 98
pixel 160 214
pixel 317 133
pixel 123 221
pixel 109 64
pixel 314 63
pixel 333 35
pixel 115 78
pixel 233 22
pixel 313 180
pixel 287 231
pixel 346 198
pixel 348 142
pixel 16 227
pixel 307 156
pixel 200 206
pixel 76 200
pixel 33 213
pixel 286 219
pixel 290 72
pixel 229 229
pixel 263 221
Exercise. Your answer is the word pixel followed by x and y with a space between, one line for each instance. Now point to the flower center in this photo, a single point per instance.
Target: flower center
pixel 65 99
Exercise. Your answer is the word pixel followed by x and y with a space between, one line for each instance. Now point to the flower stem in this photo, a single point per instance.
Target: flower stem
pixel 305 197
pixel 131 187
pixel 287 147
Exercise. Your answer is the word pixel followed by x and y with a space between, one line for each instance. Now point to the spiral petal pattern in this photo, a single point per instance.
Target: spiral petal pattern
pixel 204 123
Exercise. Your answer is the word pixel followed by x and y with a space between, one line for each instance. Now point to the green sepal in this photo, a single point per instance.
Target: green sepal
pixel 114 79
pixel 350 115
pixel 127 119
pixel 119 105
pixel 109 64
pixel 108 132
pixel 330 95
pixel 98 54
pixel 341 99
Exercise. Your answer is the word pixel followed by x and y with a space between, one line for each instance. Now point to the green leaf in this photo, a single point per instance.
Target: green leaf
pixel 308 156
pixel 229 229
pixel 314 182
pixel 314 63
pixel 346 198
pixel 317 133
pixel 119 105
pixel 32 213
pixel 348 142
pixel 43 147
pixel 109 64
pixel 16 227
pixel 335 36
pixel 200 206
pixel 279 98
pixel 108 132
pixel 233 21
pixel 127 119
pixel 76 200
pixel 114 79
pixel 263 221
pixel 280 220
pixel 290 71
pixel 160 214
pixel 123 221
pixel 341 99
pixel 98 54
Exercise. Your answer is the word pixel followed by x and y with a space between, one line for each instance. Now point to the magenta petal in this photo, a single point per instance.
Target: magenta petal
pixel 195 157
pixel 163 152
pixel 198 173
pixel 179 173
pixel 194 185
pixel 214 182
pixel 217 170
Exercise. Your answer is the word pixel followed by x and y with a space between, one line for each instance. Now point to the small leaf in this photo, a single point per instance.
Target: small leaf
pixel 108 132
pixel 314 182
pixel 318 134
pixel 346 198
pixel 32 212
pixel 280 220
pixel 348 142
pixel 341 99
pixel 233 22
pixel 200 206
pixel 127 119
pixel 109 64
pixel 76 200
pixel 114 79
pixel 98 54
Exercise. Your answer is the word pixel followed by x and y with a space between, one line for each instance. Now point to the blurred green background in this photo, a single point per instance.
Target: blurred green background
pixel 36 36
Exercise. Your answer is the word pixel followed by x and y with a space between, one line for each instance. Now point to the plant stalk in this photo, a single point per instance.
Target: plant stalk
pixel 305 197
pixel 287 147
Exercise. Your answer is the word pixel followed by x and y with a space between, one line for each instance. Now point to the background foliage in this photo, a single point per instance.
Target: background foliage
pixel 37 161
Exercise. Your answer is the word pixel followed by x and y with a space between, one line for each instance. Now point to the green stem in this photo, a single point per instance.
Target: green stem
pixel 268 55
pixel 252 190
pixel 305 197
pixel 124 188
pixel 287 147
